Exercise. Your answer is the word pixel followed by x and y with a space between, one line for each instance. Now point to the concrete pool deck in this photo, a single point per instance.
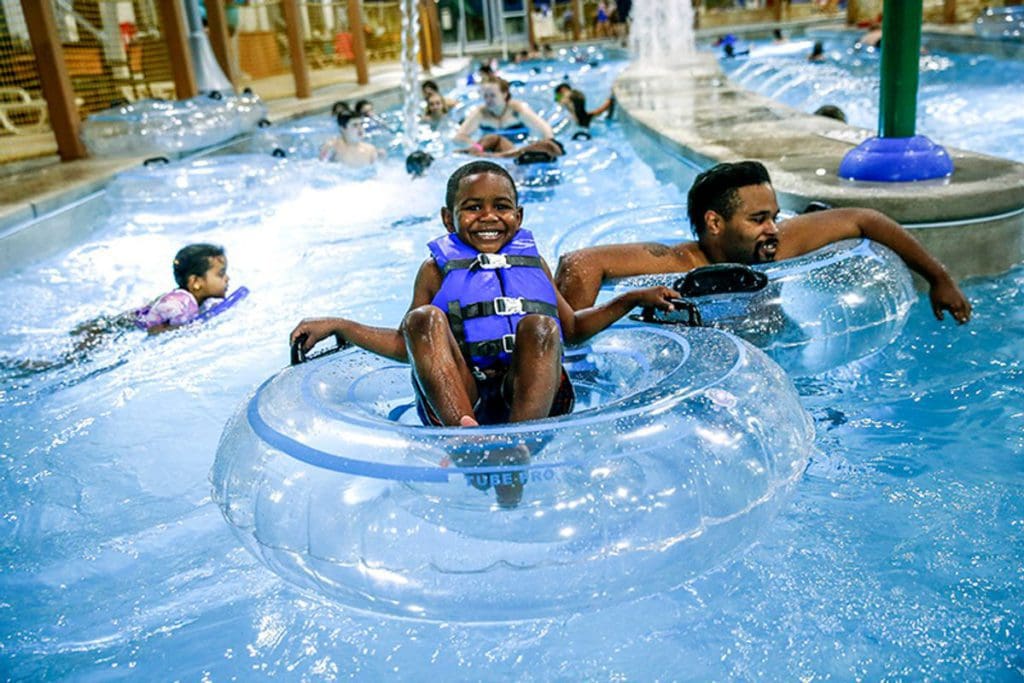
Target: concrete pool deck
pixel 693 117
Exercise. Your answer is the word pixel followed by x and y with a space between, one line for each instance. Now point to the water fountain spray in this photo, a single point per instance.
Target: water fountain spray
pixel 661 34
pixel 410 73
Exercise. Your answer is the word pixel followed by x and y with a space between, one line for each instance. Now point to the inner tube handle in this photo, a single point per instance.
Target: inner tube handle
pixel 298 355
pixel 685 313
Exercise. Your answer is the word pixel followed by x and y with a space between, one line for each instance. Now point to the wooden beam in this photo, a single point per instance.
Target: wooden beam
pixel 54 78
pixel 296 48
pixel 949 11
pixel 424 36
pixel 355 26
pixel 437 40
pixel 172 19
pixel 577 18
pixel 530 34
pixel 217 25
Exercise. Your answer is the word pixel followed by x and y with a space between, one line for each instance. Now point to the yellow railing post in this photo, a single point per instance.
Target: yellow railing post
pixel 172 18
pixel 355 25
pixel 54 78
pixel 217 23
pixel 296 50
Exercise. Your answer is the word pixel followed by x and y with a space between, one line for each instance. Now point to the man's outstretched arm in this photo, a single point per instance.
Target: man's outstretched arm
pixel 805 233
pixel 581 273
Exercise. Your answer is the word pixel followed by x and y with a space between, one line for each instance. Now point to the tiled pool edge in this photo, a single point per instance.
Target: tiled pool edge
pixel 693 117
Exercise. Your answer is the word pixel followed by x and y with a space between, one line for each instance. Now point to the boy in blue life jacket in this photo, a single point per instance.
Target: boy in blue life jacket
pixel 485 329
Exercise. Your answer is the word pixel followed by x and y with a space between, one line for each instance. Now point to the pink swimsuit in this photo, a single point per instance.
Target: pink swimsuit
pixel 173 308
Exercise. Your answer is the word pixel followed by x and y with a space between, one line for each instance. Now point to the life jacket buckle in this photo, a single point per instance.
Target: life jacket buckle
pixel 508 343
pixel 508 305
pixel 491 261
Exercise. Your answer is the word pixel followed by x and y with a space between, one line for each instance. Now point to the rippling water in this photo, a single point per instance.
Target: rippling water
pixel 961 98
pixel 899 556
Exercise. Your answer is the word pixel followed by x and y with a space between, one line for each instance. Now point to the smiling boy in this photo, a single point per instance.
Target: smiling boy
pixel 486 326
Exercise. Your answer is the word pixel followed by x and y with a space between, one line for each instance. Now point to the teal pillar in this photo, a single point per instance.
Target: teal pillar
pixel 901 45
pixel 897 154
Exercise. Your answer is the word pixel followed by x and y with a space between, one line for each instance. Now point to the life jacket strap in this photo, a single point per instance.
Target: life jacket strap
pixel 508 305
pixel 491 262
pixel 491 348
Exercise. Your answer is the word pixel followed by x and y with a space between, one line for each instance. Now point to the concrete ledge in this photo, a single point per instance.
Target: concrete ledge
pixel 693 117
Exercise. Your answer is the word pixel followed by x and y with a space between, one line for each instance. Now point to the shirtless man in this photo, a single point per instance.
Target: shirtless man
pixel 349 148
pixel 733 208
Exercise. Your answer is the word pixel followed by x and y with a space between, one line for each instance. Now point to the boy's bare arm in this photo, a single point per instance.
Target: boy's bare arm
pixel 384 341
pixel 578 326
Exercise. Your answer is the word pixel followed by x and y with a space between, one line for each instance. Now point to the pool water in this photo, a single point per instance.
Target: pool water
pixel 898 557
pixel 966 101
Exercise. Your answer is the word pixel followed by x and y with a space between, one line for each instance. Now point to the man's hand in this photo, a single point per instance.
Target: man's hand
pixel 945 295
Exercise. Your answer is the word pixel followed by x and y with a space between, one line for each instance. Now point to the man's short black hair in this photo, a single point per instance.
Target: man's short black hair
pixel 429 85
pixel 716 189
pixel 474 168
pixel 194 259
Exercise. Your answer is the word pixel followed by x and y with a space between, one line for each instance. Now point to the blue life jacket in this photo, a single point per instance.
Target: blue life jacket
pixel 486 295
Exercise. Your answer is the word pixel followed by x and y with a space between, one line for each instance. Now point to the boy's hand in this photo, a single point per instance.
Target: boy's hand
pixel 315 330
pixel 657 297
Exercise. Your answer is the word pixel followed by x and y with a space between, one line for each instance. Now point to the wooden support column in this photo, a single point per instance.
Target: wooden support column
pixel 296 49
pixel 577 18
pixel 175 28
pixel 949 11
pixel 53 77
pixel 530 34
pixel 355 25
pixel 217 31
pixel 780 10
pixel 424 36
pixel 437 40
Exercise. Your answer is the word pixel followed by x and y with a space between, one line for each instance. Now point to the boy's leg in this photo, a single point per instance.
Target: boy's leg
pixel 438 366
pixel 536 371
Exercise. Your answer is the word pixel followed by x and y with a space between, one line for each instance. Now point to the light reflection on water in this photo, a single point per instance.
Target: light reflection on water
pixel 899 556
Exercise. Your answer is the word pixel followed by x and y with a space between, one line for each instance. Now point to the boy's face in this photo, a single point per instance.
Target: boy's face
pixel 485 214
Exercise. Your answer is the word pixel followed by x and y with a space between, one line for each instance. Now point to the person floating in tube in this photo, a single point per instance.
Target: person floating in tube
pixel 504 122
pixel 485 330
pixel 733 209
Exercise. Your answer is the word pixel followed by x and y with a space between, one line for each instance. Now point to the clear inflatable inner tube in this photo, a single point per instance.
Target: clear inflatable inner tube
pixel 819 311
pixel 162 126
pixel 681 447
pixel 235 185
